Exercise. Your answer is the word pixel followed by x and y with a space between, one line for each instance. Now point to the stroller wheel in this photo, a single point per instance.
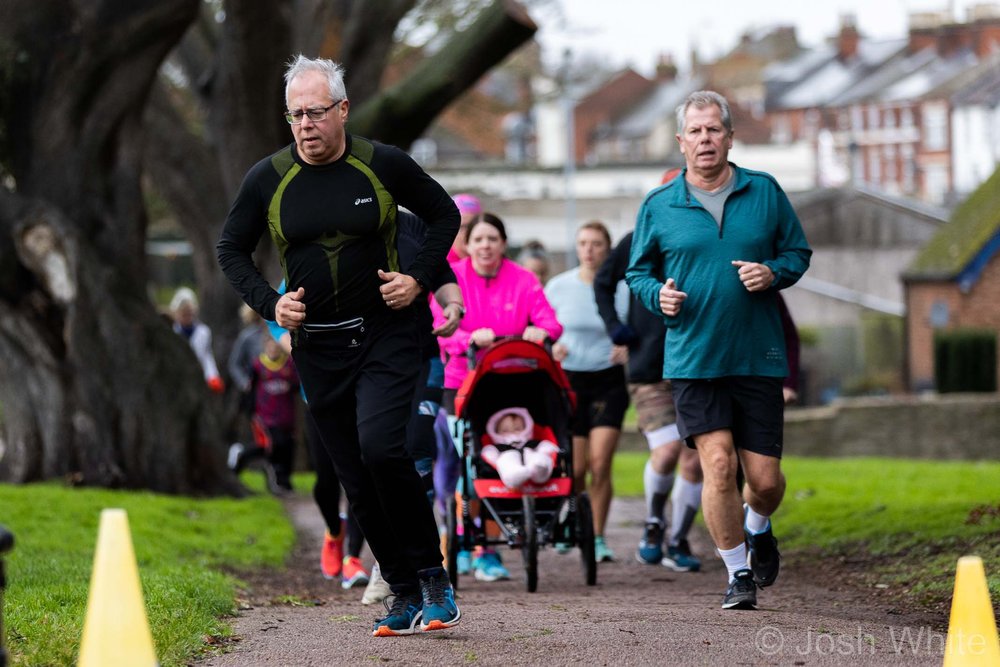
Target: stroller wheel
pixel 585 538
pixel 529 547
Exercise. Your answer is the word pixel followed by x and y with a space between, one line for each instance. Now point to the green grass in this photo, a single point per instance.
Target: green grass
pixel 181 546
pixel 906 521
pixel 913 518
pixel 627 473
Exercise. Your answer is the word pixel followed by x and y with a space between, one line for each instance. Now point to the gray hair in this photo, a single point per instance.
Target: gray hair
pixel 701 99
pixel 184 296
pixel 532 249
pixel 333 72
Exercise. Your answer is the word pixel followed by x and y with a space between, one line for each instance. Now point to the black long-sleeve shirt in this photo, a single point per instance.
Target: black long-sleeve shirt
pixel 334 226
pixel 412 232
pixel 645 354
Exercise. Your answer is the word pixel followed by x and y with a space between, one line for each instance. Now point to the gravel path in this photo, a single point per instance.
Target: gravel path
pixel 636 615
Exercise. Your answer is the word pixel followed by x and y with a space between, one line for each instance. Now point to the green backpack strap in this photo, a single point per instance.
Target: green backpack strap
pixel 362 149
pixel 282 161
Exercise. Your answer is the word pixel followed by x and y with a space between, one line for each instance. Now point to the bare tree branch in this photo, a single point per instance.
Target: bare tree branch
pixel 401 114
pixel 367 43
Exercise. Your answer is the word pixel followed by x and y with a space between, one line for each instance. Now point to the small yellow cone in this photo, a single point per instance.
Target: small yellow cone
pixel 972 629
pixel 115 631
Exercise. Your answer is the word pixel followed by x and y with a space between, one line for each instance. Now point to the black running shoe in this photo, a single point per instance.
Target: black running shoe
pixel 742 592
pixel 763 557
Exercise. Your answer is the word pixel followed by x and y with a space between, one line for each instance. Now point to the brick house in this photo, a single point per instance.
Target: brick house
pixel 603 106
pixel 880 112
pixel 954 282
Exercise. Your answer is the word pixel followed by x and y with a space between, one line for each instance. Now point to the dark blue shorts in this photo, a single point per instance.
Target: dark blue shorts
pixel 752 407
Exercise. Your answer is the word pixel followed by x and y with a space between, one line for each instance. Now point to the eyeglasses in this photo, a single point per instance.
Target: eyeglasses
pixel 294 117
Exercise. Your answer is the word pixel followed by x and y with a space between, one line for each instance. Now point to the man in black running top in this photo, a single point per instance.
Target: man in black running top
pixel 329 201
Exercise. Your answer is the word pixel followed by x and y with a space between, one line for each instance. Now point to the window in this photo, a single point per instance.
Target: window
pixel 873 119
pixel 874 167
pixel 889 153
pixel 782 130
pixel 909 168
pixel 424 151
pixel 936 183
pixel 939 314
pixel 843 120
pixel 935 116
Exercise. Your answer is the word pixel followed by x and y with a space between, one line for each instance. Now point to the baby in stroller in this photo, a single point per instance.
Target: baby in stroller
pixel 516 457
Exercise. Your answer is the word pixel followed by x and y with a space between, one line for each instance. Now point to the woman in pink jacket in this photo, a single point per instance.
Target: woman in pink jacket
pixel 501 299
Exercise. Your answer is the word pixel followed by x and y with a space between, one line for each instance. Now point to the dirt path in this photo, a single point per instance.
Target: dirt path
pixel 636 615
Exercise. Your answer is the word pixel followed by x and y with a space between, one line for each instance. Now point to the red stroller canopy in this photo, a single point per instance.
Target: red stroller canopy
pixel 510 357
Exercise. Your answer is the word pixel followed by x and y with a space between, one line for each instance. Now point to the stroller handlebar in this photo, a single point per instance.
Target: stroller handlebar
pixel 470 352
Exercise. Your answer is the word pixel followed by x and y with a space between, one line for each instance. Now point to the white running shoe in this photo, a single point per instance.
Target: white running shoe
pixel 235 455
pixel 377 588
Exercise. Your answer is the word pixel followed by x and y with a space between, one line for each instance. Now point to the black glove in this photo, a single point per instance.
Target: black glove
pixel 623 334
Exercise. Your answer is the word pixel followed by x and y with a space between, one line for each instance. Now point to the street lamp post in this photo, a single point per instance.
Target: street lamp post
pixel 569 169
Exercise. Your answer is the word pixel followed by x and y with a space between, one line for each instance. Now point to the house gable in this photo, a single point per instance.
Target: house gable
pixel 961 248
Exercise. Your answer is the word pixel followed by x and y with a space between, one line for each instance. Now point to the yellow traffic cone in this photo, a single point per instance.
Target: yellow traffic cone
pixel 115 631
pixel 972 629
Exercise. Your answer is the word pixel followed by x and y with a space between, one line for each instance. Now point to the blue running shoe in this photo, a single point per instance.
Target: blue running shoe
pixel 464 562
pixel 439 609
pixel 679 558
pixel 602 552
pixel 402 616
pixel 562 548
pixel 650 551
pixel 489 567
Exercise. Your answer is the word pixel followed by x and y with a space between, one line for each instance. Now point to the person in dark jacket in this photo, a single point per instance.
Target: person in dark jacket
pixel 643 334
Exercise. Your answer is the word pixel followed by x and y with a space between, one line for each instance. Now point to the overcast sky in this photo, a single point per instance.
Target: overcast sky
pixel 635 31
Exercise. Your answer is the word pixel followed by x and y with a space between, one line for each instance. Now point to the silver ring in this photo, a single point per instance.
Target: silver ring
pixel 391 302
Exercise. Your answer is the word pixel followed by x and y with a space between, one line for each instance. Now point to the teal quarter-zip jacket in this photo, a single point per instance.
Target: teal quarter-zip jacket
pixel 722 329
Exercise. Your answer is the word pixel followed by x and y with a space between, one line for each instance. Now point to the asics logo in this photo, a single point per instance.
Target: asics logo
pixel 366 200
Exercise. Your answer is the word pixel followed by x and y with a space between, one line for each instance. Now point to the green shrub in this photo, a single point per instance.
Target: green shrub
pixel 808 336
pixel 965 360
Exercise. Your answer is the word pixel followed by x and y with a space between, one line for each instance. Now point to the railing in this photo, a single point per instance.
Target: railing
pixel 848 295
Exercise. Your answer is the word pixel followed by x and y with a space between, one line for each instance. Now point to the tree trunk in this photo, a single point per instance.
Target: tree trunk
pixel 95 385
pixel 366 45
pixel 241 126
pixel 400 114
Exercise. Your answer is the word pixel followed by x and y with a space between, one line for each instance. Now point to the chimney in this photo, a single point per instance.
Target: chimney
pixel 695 62
pixel 666 70
pixel 847 40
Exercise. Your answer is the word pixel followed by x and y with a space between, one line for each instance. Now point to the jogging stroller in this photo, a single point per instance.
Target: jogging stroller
pixel 533 515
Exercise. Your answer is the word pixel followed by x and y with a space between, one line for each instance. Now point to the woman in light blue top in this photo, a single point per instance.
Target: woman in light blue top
pixel 596 371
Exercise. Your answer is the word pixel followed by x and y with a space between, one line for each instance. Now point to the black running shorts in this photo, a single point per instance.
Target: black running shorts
pixel 601 399
pixel 752 407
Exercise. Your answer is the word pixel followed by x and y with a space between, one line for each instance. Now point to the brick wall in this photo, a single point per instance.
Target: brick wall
pixel 951 426
pixel 979 308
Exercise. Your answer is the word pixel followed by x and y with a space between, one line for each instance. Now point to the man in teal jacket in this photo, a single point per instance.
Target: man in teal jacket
pixel 710 252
